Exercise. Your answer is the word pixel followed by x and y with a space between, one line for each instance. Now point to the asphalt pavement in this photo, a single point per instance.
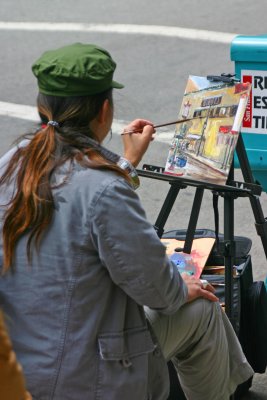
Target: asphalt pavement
pixel 154 59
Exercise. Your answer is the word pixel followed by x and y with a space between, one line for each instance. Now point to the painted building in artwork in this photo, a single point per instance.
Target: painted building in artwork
pixel 203 147
pixel 210 134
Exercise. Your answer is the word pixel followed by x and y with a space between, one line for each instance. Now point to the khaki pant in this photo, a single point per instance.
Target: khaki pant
pixel 204 349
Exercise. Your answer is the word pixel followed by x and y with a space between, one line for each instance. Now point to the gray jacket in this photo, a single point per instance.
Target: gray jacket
pixel 76 314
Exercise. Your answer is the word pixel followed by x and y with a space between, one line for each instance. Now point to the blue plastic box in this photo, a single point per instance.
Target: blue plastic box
pixel 250 56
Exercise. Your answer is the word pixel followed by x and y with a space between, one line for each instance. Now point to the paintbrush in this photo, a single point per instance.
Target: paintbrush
pixel 179 121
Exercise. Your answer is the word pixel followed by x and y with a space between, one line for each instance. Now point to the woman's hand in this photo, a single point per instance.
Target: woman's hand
pixel 136 144
pixel 196 288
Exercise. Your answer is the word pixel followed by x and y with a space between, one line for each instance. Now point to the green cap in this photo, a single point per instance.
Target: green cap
pixel 75 70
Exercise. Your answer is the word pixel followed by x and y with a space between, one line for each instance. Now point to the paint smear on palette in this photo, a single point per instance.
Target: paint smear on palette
pixel 192 263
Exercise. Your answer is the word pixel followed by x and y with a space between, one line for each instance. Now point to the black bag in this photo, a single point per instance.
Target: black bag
pixel 253 329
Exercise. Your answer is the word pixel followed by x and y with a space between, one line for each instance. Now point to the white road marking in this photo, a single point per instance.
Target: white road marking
pixel 158 30
pixel 19 111
pixel 30 113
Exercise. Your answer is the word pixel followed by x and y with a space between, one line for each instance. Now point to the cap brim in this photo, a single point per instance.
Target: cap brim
pixel 117 85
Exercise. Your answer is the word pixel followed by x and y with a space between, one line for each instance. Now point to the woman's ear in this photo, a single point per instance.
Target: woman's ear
pixel 101 124
pixel 105 112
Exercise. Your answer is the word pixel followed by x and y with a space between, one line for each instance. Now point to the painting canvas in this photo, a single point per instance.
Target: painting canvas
pixel 203 146
pixel 193 263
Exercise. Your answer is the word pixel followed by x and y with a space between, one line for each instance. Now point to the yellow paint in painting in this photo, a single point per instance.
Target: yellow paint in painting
pixel 211 149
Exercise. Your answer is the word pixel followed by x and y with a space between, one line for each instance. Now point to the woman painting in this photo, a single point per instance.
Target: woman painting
pixel 95 308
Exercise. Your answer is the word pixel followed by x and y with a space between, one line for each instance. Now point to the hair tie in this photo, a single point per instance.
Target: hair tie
pixel 53 123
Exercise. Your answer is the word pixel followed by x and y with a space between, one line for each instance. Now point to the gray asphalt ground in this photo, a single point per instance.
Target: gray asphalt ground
pixel 154 69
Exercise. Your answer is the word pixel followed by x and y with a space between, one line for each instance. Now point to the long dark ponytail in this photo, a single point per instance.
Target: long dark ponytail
pixel 32 206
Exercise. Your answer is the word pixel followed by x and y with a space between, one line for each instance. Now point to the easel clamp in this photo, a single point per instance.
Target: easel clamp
pixel 261 228
pixel 226 78
pixel 227 248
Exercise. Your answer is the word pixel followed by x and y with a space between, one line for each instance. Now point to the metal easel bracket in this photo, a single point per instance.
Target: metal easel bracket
pixel 254 188
pixel 227 248
pixel 226 78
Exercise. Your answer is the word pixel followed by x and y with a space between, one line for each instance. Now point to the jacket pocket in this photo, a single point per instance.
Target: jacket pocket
pixel 123 364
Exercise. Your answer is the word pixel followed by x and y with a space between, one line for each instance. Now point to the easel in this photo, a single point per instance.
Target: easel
pixel 231 191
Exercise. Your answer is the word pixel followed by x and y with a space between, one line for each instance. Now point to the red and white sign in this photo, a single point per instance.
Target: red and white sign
pixel 255 118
